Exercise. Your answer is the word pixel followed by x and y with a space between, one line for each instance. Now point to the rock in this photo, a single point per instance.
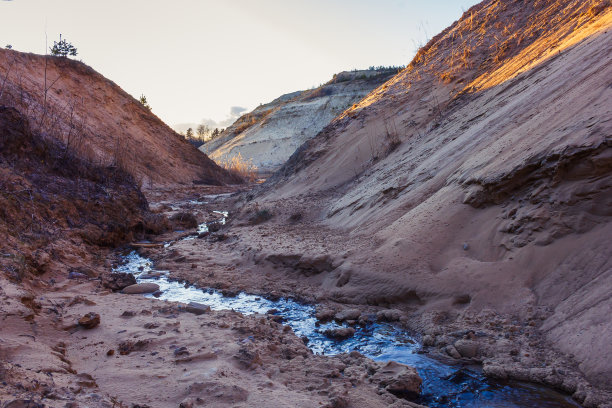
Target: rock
pixel 197 308
pixel 452 351
pixel 23 403
pixel 181 351
pixel 398 379
pixel 151 275
pixel 214 226
pixel 141 288
pixel 118 280
pixel 184 220
pixel 429 340
pixel 77 275
pixel 467 348
pixel 90 320
pixel 494 371
pixel 348 314
pixel 389 315
pixel 324 314
pixel 340 333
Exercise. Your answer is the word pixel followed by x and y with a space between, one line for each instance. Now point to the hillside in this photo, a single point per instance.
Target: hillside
pixel 473 191
pixel 69 101
pixel 272 132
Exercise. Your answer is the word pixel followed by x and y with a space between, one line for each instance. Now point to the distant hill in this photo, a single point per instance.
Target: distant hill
pixel 272 132
pixel 69 101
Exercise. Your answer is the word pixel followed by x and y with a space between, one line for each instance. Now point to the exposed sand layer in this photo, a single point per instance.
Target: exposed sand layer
pixel 268 135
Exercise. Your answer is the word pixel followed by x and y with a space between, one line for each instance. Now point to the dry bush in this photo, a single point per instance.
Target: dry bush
pixel 240 167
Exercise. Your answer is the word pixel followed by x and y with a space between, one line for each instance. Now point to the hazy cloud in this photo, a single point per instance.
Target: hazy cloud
pixel 234 113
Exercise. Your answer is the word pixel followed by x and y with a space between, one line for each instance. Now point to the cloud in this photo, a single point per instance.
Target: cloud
pixel 234 113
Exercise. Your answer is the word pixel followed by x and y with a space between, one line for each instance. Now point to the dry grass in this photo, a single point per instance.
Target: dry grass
pixel 241 167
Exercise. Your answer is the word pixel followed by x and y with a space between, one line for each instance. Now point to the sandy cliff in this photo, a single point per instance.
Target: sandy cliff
pixel 69 101
pixel 272 132
pixel 478 179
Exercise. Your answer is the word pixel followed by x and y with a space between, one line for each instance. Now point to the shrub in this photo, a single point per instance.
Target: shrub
pixel 241 167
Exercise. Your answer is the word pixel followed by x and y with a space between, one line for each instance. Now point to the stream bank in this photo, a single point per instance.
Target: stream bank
pixel 444 385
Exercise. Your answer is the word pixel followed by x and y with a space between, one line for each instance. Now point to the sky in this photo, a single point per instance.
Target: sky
pixel 207 61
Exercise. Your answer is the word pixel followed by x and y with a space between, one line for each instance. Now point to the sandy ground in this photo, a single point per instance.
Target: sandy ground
pixel 149 353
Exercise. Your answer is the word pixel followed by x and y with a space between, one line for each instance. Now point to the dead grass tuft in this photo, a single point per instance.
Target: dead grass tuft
pixel 240 167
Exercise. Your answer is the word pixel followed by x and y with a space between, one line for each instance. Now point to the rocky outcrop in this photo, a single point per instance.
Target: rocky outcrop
pixel 272 132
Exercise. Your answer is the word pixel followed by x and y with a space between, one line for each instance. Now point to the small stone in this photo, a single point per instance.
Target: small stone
pixel 77 275
pixel 388 315
pixel 429 340
pixel 466 246
pixel 197 308
pixel 340 333
pixel 452 351
pixel 90 320
pixel 324 314
pixel 181 351
pixel 467 348
pixel 110 352
pixel 141 288
pixel 348 314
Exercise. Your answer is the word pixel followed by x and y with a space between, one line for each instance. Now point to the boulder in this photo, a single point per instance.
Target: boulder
pixel 140 288
pixel 398 379
pixel 118 280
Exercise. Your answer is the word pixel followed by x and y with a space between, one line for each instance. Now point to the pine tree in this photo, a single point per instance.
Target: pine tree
pixel 144 102
pixel 63 48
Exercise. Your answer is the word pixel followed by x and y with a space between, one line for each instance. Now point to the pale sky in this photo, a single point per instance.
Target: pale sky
pixel 196 60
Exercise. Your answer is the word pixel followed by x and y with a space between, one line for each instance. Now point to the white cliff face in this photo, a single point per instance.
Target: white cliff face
pixel 272 132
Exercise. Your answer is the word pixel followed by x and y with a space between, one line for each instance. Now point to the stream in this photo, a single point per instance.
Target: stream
pixel 444 385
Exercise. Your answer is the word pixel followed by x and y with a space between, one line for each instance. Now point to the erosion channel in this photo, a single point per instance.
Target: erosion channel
pixel 444 385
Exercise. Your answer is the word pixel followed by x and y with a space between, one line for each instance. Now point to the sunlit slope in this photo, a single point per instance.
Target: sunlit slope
pixel 69 101
pixel 483 170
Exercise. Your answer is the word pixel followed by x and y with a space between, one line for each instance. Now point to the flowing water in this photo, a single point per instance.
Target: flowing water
pixel 443 385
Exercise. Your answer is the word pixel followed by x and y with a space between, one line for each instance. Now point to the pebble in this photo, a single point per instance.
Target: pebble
pixel 90 320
